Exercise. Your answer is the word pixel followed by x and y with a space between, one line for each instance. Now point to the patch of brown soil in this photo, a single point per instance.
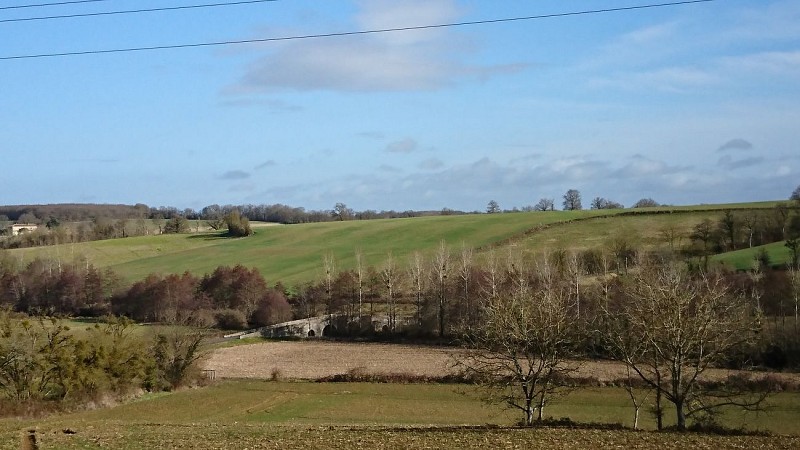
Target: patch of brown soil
pixel 313 359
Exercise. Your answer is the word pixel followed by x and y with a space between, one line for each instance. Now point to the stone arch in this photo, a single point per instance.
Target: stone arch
pixel 311 333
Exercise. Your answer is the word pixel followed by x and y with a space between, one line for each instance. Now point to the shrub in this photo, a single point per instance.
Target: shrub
pixel 230 319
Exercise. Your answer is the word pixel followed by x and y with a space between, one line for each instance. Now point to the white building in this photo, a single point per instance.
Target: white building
pixel 19 228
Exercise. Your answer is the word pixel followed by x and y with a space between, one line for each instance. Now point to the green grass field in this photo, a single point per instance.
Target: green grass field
pixel 293 254
pixel 240 414
pixel 779 256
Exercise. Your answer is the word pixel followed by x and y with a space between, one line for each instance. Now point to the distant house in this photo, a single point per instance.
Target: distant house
pixel 19 228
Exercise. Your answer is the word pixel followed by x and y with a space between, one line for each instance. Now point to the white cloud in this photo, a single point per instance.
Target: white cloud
pixel 470 185
pixel 388 14
pixel 774 62
pixel 650 34
pixel 392 61
pixel 641 166
pixel 667 79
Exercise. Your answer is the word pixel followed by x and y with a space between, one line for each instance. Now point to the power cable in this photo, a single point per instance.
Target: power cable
pixel 39 5
pixel 353 33
pixel 135 11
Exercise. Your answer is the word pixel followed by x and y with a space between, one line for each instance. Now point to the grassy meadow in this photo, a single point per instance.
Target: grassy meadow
pixel 293 254
pixel 779 256
pixel 260 414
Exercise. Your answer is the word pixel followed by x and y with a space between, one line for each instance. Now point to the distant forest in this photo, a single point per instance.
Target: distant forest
pixel 277 213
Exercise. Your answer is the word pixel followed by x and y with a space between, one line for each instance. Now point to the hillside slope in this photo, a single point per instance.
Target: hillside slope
pixel 293 253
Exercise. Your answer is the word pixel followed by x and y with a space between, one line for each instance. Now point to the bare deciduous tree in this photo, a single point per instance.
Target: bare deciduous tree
pixel 441 270
pixel 329 266
pixel 794 282
pixel 645 203
pixel 671 235
pixel 575 270
pixel 360 282
pixel 572 200
pixel 389 276
pixel 672 328
pixel 545 204
pixel 520 352
pixel 750 222
pixel 417 276
pixel 464 275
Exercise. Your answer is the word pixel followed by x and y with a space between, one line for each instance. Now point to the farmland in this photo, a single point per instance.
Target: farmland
pixel 312 360
pixel 242 409
pixel 292 254
pixel 259 414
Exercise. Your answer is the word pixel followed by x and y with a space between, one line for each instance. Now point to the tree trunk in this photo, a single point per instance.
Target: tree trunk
pixel 441 313
pixel 528 415
pixel 681 415
pixel 541 403
pixel 659 411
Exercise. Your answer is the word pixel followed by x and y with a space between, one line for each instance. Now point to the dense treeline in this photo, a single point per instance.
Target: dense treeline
pixel 276 213
pixel 230 297
pixel 72 212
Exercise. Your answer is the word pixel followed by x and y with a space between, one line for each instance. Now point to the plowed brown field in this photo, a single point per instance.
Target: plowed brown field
pixel 314 359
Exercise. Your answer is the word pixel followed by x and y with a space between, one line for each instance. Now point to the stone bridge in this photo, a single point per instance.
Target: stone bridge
pixel 309 327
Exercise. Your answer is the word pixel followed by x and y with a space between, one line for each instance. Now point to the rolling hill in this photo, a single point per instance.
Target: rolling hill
pixel 293 254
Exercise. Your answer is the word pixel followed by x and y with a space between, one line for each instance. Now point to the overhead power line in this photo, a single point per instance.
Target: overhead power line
pixel 354 33
pixel 40 5
pixel 135 11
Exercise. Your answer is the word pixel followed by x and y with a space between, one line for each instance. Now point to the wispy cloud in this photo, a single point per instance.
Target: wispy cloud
pixel 667 79
pixel 406 145
pixel 389 168
pixel 774 62
pixel 431 164
pixel 273 105
pixel 372 135
pixel 242 187
pixel 729 163
pixel 234 175
pixel 265 164
pixel 735 144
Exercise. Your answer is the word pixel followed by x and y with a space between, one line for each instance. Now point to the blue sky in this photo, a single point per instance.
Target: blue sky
pixel 686 104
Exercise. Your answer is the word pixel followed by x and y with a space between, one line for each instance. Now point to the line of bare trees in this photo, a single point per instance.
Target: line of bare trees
pixel 525 319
